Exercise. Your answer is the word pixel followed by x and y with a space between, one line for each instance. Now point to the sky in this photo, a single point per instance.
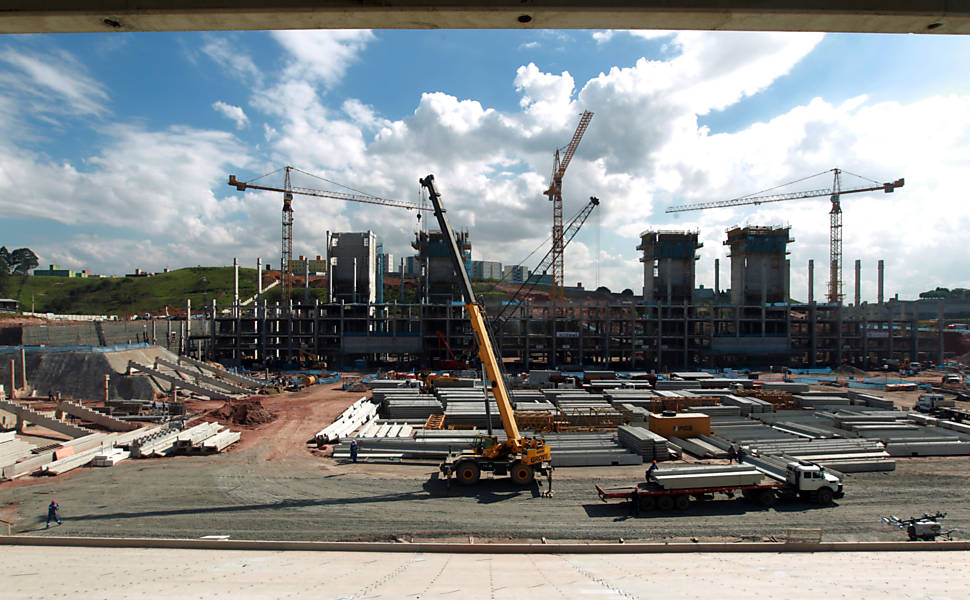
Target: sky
pixel 115 149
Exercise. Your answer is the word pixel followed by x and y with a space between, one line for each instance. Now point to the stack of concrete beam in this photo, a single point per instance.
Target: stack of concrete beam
pixel 786 386
pixel 194 436
pixel 471 413
pixel 109 457
pixel 748 405
pixel 220 441
pixel 237 378
pixel 707 476
pixel 527 396
pixel 12 448
pixel 160 443
pixel 535 405
pixel 124 440
pixel 669 385
pixel 633 414
pixel 821 402
pixel 197 376
pixel 844 455
pixel 554 395
pixel 651 446
pixel 568 449
pixel 379 428
pixel 726 383
pixel 716 411
pixel 411 407
pixel 702 447
pixel 375 384
pixel 871 400
pixel 378 395
pixel 350 420
pixel 48 421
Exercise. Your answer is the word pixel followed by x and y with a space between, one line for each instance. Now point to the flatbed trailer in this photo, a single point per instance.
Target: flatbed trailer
pixel 649 495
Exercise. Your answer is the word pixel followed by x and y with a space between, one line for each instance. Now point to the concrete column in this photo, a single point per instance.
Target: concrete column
pixel 306 283
pixel 23 368
pixel 330 280
pixel 858 283
pixel 764 282
pixel 811 281
pixel 717 277
pixel 881 275
pixel 354 297
pixel 13 380
pixel 259 280
pixel 670 284
pixel 940 327
pixel 107 381
pixel 188 320
pixel 235 287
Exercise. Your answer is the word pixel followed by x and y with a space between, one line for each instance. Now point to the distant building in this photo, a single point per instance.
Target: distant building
pixel 55 271
pixel 387 262
pixel 9 305
pixel 353 259
pixel 318 266
pixel 485 269
pixel 515 274
pixel 137 273
pixel 412 265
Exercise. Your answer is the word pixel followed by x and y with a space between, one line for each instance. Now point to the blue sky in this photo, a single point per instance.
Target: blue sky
pixel 114 149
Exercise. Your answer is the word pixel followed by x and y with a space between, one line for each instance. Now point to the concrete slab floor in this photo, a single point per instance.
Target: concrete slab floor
pixel 47 572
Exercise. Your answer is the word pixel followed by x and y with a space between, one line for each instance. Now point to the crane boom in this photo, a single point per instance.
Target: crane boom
pixel 243 186
pixel 486 350
pixel 835 217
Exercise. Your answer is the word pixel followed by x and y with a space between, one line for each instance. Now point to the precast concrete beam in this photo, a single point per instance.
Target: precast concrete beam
pixel 865 16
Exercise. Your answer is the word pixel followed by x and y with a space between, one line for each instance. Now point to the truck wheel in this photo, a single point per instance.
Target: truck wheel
pixel 468 473
pixel 646 502
pixel 681 501
pixel 522 474
pixel 766 498
pixel 824 496
pixel 665 503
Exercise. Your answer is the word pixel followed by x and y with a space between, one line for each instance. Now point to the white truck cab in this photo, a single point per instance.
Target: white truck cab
pixel 813 481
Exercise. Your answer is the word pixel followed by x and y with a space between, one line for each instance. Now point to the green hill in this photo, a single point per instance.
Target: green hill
pixel 134 295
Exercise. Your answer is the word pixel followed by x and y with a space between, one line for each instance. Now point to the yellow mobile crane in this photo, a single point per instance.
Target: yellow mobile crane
pixel 519 457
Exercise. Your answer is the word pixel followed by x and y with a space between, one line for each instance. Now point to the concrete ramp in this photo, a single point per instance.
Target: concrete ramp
pixel 93 416
pixel 178 381
pixel 29 415
pixel 243 380
pixel 199 377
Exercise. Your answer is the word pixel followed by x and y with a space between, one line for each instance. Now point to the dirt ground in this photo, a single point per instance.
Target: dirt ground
pixel 272 485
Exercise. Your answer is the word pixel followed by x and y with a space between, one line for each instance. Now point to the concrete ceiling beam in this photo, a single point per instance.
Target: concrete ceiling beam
pixel 863 16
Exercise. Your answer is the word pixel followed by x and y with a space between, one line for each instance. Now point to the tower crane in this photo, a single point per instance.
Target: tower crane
pixel 835 214
pixel 554 193
pixel 288 190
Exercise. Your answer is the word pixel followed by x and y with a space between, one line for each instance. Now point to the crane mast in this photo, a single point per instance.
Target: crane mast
pixel 555 195
pixel 286 253
pixel 835 216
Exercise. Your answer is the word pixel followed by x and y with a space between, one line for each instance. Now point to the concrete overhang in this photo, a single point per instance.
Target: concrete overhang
pixel 864 16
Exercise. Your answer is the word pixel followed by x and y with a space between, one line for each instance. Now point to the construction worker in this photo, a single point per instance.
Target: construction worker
pixel 354 447
pixel 653 467
pixel 53 513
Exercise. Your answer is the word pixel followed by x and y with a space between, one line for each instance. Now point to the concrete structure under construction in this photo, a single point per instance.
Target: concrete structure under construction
pixel 439 282
pixel 515 273
pixel 759 267
pixel 353 271
pixel 668 265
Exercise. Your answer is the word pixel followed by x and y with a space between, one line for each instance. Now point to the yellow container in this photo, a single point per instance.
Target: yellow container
pixel 680 425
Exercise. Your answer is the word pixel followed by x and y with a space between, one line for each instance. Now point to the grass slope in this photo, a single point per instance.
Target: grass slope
pixel 131 295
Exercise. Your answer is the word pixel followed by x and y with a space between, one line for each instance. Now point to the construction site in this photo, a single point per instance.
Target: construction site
pixel 680 415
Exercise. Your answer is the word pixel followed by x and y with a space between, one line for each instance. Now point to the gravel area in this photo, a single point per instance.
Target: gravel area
pixel 304 497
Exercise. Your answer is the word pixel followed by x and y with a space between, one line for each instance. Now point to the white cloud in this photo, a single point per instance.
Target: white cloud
pixel 55 84
pixel 322 56
pixel 529 45
pixel 232 58
pixel 235 113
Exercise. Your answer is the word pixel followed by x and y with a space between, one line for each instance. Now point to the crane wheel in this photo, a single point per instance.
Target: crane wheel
pixel 522 474
pixel 468 473
pixel 665 503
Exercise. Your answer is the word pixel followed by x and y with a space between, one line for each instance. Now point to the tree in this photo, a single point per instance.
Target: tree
pixel 23 260
pixel 627 292
pixel 4 273
pixel 603 290
pixel 5 258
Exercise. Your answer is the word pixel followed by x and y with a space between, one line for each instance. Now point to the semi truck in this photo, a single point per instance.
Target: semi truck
pixel 674 488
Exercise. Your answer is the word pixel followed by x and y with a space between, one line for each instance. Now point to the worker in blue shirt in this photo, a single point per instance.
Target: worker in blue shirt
pixel 53 513
pixel 354 447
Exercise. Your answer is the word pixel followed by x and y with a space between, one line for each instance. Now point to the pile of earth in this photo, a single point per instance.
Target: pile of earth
pixel 244 412
pixel 849 370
